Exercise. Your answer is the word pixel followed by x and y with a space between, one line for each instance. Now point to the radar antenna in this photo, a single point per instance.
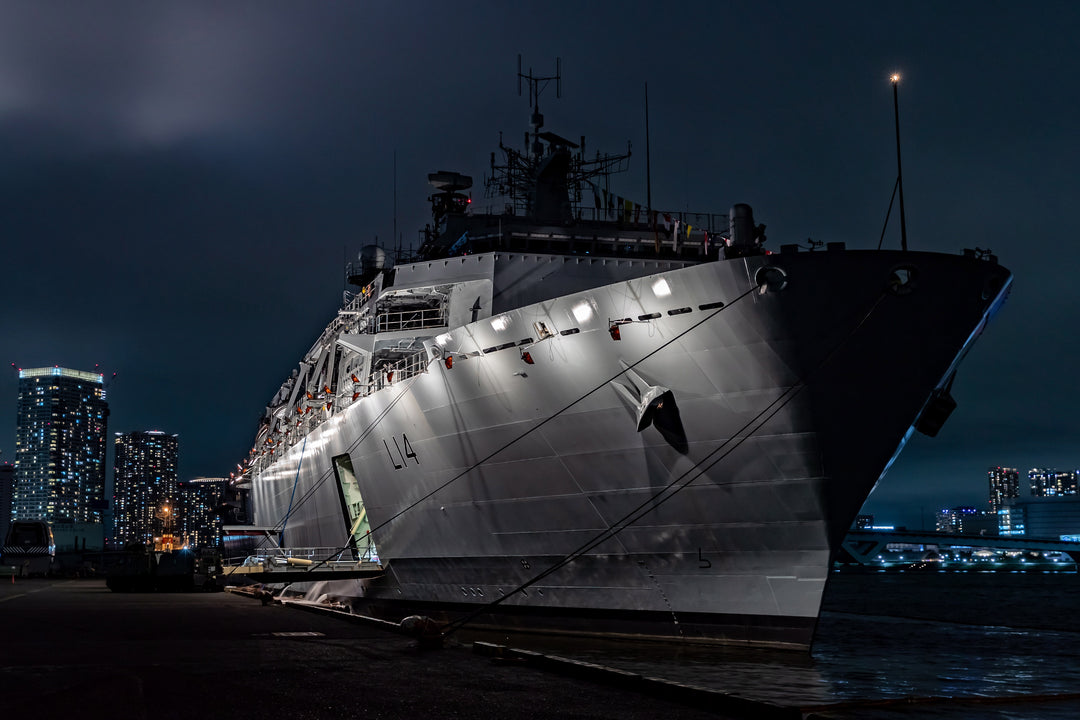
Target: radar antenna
pixel 546 180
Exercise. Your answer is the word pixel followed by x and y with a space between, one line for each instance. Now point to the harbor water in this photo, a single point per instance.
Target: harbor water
pixel 889 644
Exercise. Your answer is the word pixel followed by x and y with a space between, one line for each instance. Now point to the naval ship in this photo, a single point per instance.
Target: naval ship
pixel 576 415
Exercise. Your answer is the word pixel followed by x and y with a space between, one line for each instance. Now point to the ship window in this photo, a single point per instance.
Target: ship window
pixel 711 306
pixel 680 311
pixel 571 331
pixel 649 316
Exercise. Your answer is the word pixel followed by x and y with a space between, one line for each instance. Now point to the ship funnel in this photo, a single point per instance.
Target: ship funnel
pixel 741 225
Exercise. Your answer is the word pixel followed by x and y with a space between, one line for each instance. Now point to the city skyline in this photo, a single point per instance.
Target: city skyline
pixel 199 211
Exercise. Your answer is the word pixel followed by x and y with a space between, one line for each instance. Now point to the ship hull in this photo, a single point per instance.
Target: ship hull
pixel 558 495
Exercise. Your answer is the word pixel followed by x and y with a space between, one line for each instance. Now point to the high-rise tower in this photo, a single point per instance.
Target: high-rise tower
pixel 1048 482
pixel 60 446
pixel 144 483
pixel 198 501
pixel 1004 485
pixel 7 486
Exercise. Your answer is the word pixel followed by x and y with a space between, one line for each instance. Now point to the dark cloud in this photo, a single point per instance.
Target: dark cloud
pixel 179 182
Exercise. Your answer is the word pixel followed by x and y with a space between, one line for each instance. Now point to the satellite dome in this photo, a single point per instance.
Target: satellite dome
pixel 373 258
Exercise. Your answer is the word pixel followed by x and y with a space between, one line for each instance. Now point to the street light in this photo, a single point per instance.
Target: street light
pixel 899 171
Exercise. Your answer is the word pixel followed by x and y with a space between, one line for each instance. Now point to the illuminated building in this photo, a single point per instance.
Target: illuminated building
pixel 1048 482
pixel 198 522
pixel 1054 518
pixel 60 446
pixel 1004 485
pixel 7 483
pixel 144 482
pixel 967 520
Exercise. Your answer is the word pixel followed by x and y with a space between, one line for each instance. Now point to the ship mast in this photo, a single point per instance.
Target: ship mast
pixel 519 177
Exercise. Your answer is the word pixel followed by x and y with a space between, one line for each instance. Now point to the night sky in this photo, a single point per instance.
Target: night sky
pixel 180 182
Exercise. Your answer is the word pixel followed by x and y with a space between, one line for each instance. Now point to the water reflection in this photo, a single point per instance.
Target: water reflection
pixel 888 637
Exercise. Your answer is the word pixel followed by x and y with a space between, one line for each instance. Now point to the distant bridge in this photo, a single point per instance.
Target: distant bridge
pixel 864 546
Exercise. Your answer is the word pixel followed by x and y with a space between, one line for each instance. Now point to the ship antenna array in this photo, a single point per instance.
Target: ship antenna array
pixel 515 177
pixel 537 84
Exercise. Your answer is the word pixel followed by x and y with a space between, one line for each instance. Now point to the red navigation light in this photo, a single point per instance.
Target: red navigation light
pixel 449 362
pixel 615 333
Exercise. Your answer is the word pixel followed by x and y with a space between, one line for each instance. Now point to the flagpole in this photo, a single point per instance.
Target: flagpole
pixel 899 171
pixel 648 175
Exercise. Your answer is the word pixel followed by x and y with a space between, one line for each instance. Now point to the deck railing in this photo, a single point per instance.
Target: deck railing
pixel 412 319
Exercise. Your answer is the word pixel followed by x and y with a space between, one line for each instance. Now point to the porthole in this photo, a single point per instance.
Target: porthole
pixel 903 279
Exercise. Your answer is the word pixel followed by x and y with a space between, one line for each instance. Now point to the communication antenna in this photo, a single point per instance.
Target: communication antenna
pixel 537 85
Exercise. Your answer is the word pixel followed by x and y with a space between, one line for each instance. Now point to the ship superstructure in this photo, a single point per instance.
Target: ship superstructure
pixel 608 420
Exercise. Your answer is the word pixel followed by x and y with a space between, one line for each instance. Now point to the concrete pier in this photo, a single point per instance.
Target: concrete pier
pixel 72 648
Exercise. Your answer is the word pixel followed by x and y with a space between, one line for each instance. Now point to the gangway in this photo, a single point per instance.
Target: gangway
pixel 294 570
pixel 256 556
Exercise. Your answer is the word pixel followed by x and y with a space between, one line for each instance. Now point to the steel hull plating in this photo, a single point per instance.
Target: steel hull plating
pixel 778 412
